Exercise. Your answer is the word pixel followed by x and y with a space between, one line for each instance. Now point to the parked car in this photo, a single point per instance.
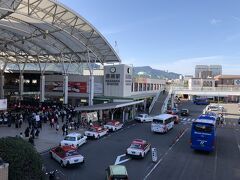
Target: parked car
pixel 176 119
pixel 66 155
pixel 143 118
pixel 116 172
pixel 96 132
pixel 184 112
pixel 74 139
pixel 113 125
pixel 139 148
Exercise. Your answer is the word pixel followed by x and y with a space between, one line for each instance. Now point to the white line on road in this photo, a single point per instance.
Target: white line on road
pixel 119 158
pixel 184 119
pixel 160 160
pixel 189 119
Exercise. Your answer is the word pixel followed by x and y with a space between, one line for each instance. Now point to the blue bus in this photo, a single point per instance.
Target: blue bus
pixel 203 133
pixel 201 101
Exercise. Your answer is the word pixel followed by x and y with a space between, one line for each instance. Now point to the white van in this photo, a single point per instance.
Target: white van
pixel 162 123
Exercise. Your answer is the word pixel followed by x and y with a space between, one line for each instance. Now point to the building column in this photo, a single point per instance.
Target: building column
pixel 65 89
pixel 123 115
pixel 21 86
pixel 100 114
pixel 1 86
pixel 42 88
pixel 145 104
pixel 91 90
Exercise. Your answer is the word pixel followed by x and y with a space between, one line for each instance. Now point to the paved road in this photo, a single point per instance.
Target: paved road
pixel 176 159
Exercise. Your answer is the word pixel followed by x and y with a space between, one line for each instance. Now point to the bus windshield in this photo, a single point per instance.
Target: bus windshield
pixel 206 128
pixel 157 121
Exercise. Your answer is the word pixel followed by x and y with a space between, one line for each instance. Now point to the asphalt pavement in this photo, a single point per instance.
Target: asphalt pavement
pixel 176 160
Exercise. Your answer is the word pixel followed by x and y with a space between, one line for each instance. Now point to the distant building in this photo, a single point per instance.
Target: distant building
pixel 205 71
pixel 201 83
pixel 227 80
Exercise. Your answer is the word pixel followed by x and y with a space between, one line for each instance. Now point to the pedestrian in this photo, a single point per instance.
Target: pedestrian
pixel 27 132
pixel 57 127
pixel 37 133
pixel 63 129
pixel 31 140
pixel 52 122
pixel 33 133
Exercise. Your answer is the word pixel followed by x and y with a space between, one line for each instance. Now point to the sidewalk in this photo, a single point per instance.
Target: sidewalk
pixel 47 139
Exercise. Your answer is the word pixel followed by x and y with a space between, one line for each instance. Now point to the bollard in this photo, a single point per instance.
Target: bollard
pixel 154 155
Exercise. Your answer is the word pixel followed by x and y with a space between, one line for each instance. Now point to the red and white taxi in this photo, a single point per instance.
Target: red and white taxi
pixel 96 132
pixel 139 148
pixel 113 125
pixel 66 155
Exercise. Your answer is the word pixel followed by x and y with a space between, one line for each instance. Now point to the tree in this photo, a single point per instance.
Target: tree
pixel 24 161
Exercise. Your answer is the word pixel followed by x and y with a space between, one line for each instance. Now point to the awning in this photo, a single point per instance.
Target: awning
pixel 106 106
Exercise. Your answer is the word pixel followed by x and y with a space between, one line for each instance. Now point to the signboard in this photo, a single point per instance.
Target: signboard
pixel 3 104
pixel 98 88
pixel 92 116
pixel 73 87
pixel 237 82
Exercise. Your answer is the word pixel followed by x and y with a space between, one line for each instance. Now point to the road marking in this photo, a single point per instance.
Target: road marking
pixel 119 158
pixel 189 119
pixel 239 147
pixel 184 119
pixel 160 160
pixel 193 120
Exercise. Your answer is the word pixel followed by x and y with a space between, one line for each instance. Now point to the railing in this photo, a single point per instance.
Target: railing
pixel 154 101
pixel 207 89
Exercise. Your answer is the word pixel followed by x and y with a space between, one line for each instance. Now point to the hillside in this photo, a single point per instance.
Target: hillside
pixel 154 73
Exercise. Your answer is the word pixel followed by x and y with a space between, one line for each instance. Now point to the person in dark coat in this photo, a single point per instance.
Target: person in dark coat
pixel 37 133
pixel 31 140
pixel 27 132
pixel 32 133
pixel 63 129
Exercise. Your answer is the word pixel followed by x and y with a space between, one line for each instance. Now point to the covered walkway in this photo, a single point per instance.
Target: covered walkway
pixel 43 32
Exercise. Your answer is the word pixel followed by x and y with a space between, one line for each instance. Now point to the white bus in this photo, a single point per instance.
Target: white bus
pixel 162 123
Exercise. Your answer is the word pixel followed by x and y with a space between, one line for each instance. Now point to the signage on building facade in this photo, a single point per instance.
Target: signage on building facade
pixel 237 82
pixel 73 87
pixel 3 104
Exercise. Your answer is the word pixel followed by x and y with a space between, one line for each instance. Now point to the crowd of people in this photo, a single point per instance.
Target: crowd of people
pixel 34 117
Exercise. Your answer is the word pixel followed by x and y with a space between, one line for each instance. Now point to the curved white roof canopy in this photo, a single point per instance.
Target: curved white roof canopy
pixel 45 31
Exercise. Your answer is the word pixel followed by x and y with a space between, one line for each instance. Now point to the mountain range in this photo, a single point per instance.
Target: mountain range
pixel 148 71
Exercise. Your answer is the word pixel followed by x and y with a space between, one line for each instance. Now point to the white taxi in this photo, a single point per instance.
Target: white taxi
pixel 74 139
pixel 113 125
pixel 66 155
pixel 139 148
pixel 96 132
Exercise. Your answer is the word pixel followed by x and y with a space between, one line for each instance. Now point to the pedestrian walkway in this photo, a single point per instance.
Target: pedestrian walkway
pixel 47 139
pixel 156 110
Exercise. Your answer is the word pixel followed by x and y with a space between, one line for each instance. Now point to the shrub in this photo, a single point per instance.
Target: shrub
pixel 24 161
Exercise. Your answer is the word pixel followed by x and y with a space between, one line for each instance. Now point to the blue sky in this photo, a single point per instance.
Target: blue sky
pixel 168 35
